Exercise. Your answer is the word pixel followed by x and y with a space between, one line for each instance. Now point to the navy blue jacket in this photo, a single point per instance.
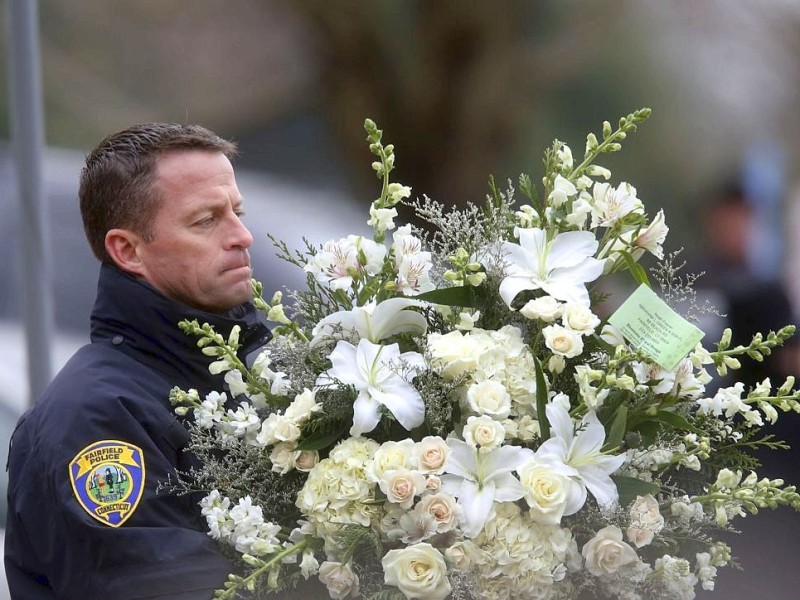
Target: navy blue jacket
pixel 116 389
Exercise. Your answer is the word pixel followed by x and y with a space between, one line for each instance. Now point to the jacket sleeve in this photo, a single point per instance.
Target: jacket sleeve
pixel 92 514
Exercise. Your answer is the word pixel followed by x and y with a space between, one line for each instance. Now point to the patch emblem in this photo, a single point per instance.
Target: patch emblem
pixel 108 480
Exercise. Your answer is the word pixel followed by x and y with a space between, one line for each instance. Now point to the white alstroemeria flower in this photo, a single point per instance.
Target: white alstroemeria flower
pixel 652 238
pixel 478 479
pixel 610 205
pixel 381 375
pixel 578 455
pixel 411 262
pixel 562 190
pixel 560 267
pixel 654 376
pixel 373 321
pixel 335 263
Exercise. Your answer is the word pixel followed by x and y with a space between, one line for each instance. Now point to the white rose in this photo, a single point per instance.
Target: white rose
pixel 484 432
pixel 563 341
pixel 433 483
pixel 278 428
pixel 302 406
pixel 419 571
pixel 606 553
pixel 390 456
pixel 306 460
pixel 546 309
pixel 339 579
pixel 283 458
pixel 580 318
pixel 489 398
pixel 460 555
pixel 556 364
pixel 527 428
pixel 444 510
pixel 430 454
pixel 401 485
pixel 646 520
pixel 547 492
pixel 453 354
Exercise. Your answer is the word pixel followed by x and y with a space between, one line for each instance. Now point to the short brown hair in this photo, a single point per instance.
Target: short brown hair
pixel 116 186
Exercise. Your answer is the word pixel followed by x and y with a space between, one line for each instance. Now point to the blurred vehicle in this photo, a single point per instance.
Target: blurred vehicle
pixel 287 211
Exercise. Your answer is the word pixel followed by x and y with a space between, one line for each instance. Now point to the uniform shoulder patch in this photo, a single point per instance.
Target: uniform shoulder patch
pixel 108 480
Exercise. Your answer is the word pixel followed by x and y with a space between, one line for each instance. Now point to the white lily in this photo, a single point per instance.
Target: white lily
pixel 381 375
pixel 478 479
pixel 373 321
pixel 578 455
pixel 560 267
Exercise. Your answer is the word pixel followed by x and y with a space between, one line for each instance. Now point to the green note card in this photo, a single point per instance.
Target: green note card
pixel 651 326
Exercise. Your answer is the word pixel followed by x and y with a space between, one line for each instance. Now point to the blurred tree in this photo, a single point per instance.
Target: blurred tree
pixel 454 84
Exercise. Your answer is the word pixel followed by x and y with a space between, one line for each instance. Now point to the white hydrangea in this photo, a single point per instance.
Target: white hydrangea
pixel 339 491
pixel 515 557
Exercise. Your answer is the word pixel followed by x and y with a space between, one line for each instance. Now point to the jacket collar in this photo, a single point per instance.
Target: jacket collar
pixel 143 323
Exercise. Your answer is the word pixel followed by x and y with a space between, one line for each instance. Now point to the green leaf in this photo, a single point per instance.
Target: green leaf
pixel 541 400
pixel 323 439
pixel 466 295
pixel 617 432
pixel 637 271
pixel 675 421
pixel 648 431
pixel 630 487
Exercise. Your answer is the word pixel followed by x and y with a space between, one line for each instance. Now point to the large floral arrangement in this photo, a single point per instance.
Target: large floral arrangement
pixel 443 412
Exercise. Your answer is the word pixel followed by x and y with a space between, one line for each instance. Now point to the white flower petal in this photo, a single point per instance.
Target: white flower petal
pixel 477 503
pixel 570 248
pixel 404 401
pixel 507 488
pixel 365 415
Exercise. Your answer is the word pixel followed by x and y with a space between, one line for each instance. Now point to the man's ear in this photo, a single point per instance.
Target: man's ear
pixel 122 246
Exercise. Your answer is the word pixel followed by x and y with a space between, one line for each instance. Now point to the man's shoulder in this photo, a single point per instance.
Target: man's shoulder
pixel 97 372
pixel 98 393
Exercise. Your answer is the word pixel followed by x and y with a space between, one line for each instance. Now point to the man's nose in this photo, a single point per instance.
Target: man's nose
pixel 239 236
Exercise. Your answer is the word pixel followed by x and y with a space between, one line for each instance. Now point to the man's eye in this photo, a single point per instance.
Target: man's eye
pixel 206 221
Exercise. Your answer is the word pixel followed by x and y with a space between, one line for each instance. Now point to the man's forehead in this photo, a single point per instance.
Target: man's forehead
pixel 181 168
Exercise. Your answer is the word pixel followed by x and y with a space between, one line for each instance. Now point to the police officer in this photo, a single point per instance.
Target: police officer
pixel 162 213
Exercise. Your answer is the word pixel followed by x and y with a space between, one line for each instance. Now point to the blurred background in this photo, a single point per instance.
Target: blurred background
pixel 464 89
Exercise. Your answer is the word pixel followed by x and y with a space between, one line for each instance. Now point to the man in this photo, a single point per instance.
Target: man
pixel 161 211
